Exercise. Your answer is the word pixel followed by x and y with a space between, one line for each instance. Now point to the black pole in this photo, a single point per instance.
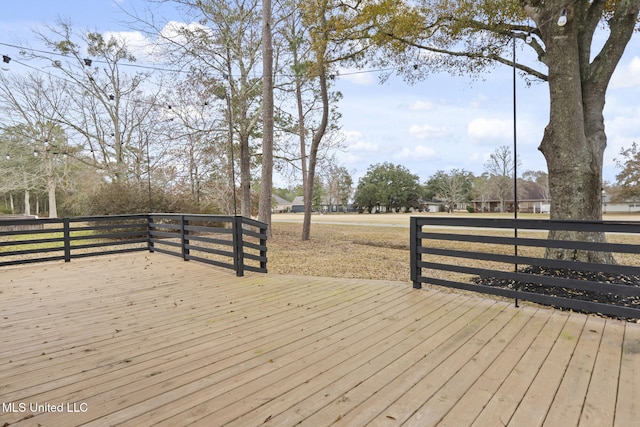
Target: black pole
pixel 515 166
pixel 515 140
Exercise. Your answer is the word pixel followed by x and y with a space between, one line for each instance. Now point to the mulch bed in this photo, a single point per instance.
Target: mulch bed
pixel 601 297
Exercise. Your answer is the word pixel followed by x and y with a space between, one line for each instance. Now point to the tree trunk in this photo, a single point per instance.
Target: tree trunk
pixel 245 177
pixel 574 140
pixel 51 186
pixel 27 202
pixel 313 155
pixel 51 190
pixel 264 208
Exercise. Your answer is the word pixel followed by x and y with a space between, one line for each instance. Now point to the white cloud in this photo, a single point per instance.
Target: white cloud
pixel 493 129
pixel 627 76
pixel 363 146
pixel 137 43
pixel 419 152
pixel 179 32
pixel 625 125
pixel 427 131
pixel 355 142
pixel 478 101
pixel 420 105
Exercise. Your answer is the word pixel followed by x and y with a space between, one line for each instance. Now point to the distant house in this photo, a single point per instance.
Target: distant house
pixel 297 205
pixel 433 205
pixel 524 205
pixel 622 206
pixel 280 205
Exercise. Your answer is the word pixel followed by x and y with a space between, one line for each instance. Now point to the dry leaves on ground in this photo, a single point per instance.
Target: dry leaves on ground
pixel 340 251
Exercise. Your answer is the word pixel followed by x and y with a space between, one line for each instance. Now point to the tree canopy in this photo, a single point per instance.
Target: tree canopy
pixel 452 188
pixel 628 179
pixel 388 185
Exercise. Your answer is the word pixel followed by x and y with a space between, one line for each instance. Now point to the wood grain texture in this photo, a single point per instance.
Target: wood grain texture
pixel 148 339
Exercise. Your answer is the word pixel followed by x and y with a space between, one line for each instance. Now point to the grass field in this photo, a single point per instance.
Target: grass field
pixel 371 246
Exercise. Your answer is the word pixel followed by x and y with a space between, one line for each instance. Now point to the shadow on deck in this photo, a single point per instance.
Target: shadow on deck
pixel 148 339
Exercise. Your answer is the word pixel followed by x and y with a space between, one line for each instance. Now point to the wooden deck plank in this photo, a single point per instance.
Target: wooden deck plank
pixel 210 319
pixel 508 397
pixel 627 404
pixel 569 399
pixel 327 371
pixel 432 408
pixel 148 339
pixel 477 396
pixel 161 337
pixel 269 370
pixel 428 371
pixel 535 404
pixel 202 347
pixel 325 389
pixel 600 401
pixel 146 382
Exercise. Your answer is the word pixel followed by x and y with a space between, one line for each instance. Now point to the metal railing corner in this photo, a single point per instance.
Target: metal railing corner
pixel 66 225
pixel 415 243
pixel 238 247
pixel 150 243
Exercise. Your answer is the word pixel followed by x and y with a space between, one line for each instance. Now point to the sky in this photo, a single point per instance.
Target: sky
pixel 441 123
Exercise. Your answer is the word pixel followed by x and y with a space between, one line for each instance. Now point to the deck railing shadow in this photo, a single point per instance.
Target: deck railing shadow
pixel 506 257
pixel 233 242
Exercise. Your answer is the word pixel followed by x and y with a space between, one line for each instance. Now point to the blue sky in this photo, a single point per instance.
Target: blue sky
pixel 441 123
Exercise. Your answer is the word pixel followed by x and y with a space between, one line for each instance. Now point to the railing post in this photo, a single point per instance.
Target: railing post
pixel 149 238
pixel 263 253
pixel 184 237
pixel 416 257
pixel 67 239
pixel 238 247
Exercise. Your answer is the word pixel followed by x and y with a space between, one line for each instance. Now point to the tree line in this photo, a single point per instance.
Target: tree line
pixel 392 187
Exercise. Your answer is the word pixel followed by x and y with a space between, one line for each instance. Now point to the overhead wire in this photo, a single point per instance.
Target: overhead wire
pixel 23 49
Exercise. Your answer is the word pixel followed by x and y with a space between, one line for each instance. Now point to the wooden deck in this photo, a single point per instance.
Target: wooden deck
pixel 147 339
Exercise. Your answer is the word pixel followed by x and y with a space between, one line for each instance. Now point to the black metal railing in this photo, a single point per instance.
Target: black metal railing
pixel 232 242
pixel 508 257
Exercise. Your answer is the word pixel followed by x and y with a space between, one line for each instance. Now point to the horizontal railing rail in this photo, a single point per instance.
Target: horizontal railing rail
pixel 508 257
pixel 228 241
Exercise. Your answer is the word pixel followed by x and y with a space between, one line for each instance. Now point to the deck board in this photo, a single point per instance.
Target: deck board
pixel 627 402
pixel 600 400
pixel 148 339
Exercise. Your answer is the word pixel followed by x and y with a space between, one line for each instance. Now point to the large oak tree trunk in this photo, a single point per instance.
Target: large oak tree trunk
pixel 574 140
